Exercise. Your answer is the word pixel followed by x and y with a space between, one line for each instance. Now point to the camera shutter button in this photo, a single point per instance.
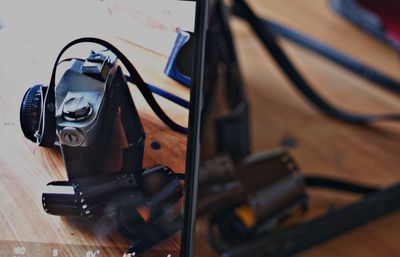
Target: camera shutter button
pixel 76 108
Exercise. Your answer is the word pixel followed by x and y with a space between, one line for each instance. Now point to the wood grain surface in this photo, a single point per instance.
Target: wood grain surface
pixel 324 146
pixel 26 57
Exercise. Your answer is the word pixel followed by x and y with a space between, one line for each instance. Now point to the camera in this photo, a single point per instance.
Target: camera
pixel 91 117
pixel 92 101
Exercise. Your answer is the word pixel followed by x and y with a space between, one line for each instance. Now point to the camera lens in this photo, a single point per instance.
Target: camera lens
pixel 31 108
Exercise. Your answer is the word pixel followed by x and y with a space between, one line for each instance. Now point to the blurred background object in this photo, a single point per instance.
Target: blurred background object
pixel 379 18
pixel 1 21
pixel 278 117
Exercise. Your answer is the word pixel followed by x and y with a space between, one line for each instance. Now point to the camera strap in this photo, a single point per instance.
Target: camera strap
pixel 48 116
pixel 292 240
pixel 334 55
pixel 268 39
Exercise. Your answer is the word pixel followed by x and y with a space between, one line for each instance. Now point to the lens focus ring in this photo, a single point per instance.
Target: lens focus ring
pixel 30 112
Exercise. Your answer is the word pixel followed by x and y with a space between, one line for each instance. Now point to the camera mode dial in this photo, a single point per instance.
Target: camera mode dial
pixel 77 109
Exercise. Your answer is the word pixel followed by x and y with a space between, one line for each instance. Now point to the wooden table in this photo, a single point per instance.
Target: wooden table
pixel 26 57
pixel 324 146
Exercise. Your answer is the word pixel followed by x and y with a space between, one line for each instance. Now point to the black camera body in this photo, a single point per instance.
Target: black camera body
pixel 98 130
pixel 92 102
pixel 91 116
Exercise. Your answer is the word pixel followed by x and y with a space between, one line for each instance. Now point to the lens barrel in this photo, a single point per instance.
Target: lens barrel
pixel 31 108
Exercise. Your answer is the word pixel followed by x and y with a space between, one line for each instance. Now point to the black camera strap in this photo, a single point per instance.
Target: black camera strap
pixel 268 39
pixel 300 237
pixel 48 117
pixel 334 56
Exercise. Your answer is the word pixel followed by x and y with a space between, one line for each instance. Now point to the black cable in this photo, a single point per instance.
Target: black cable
pixel 165 94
